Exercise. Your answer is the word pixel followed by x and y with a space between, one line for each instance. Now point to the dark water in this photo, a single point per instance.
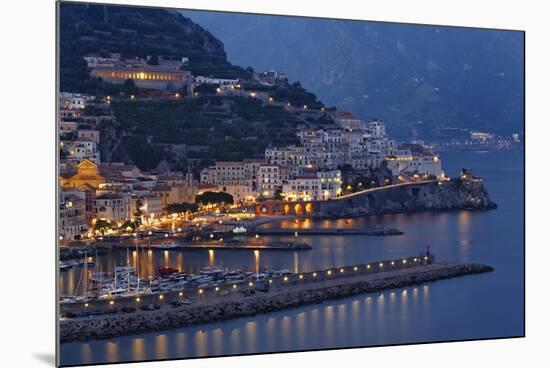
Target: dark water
pixel 481 306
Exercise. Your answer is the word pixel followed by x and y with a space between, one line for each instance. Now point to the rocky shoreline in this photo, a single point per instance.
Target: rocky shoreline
pixel 220 310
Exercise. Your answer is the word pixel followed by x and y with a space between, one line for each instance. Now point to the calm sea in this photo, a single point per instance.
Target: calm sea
pixel 472 307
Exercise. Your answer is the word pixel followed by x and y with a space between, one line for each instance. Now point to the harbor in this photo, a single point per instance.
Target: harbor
pixel 127 315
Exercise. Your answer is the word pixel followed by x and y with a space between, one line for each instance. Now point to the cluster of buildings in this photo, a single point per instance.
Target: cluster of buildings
pixel 92 190
pixel 270 77
pixel 162 72
pixel 311 170
pixel 355 144
pixel 117 193
pixel 79 136
pixel 167 73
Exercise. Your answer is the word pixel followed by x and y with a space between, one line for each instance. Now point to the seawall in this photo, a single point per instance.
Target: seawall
pixel 237 305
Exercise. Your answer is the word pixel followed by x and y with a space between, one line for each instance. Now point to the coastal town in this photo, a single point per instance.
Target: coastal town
pixel 337 157
pixel 193 191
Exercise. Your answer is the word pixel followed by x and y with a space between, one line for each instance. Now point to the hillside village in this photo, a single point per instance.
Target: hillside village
pixel 333 153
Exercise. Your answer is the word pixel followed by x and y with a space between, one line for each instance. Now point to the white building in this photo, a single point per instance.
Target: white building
pixel 240 193
pixel 66 127
pixel 226 173
pixel 112 207
pixel 322 185
pixel 88 134
pixel 199 79
pixel 421 164
pixel 377 128
pixel 348 121
pixel 73 101
pixel 151 207
pixel 72 215
pixel 81 150
pixel 269 180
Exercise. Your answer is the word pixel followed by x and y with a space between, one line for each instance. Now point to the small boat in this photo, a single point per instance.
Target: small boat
pixel 165 271
pixel 167 246
pixel 63 266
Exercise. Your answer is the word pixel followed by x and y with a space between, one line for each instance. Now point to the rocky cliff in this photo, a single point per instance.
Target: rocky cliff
pixel 434 195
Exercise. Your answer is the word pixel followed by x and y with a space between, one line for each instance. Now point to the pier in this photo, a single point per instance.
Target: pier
pixel 248 297
pixel 333 231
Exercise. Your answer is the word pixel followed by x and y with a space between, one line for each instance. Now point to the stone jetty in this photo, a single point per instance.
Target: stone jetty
pixel 294 294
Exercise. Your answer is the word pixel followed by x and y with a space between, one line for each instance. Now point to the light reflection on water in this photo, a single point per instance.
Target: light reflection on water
pixel 488 305
pixel 330 324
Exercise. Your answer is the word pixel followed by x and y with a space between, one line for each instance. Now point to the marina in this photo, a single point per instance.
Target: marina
pixel 126 315
pixel 406 315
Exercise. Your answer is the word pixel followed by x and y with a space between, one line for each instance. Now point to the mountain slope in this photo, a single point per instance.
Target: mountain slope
pixel 133 31
pixel 412 76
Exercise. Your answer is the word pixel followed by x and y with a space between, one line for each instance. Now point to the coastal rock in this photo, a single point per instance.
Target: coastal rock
pixel 436 195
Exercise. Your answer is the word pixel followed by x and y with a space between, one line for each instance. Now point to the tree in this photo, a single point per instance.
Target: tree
pixel 181 207
pixel 206 88
pixel 153 60
pixel 129 87
pixel 214 198
pixel 278 195
pixel 138 212
pixel 102 225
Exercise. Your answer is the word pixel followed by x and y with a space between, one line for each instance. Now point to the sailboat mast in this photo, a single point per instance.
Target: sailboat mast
pixel 85 273
pixel 128 269
pixel 137 265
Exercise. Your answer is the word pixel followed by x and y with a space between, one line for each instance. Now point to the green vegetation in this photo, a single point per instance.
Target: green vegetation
pixel 231 128
pixel 206 88
pixel 297 96
pixel 133 31
pixel 214 198
pixel 181 207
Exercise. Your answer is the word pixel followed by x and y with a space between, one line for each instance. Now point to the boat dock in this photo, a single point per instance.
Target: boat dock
pixel 218 246
pixel 382 231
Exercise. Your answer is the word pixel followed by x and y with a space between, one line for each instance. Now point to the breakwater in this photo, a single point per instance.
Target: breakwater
pixel 289 292
pixel 383 231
